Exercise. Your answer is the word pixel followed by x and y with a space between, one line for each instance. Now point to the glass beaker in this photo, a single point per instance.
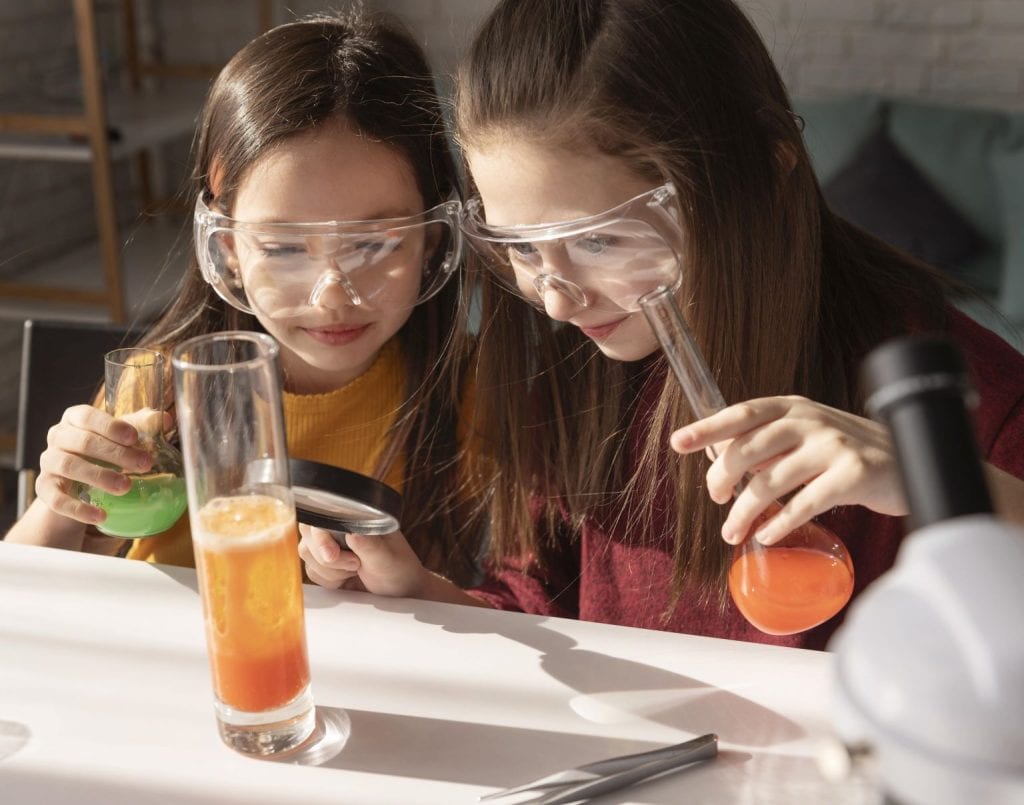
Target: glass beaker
pixel 245 539
pixel 784 588
pixel 134 387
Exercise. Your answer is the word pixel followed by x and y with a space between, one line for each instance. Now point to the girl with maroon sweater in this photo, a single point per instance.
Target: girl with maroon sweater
pixel 567 110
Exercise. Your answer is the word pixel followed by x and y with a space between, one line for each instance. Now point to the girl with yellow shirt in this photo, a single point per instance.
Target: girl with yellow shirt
pixel 327 216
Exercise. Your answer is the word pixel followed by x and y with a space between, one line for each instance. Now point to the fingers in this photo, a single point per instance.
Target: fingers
pixel 327 564
pixel 385 565
pixel 65 466
pixel 85 417
pixel 748 454
pixel 729 423
pixel 776 448
pixel 85 448
pixel 61 497
pixel 798 511
pixel 94 436
pixel 147 420
pixel 332 580
pixel 374 548
pixel 756 508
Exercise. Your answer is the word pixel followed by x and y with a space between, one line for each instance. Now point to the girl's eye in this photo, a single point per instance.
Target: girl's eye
pixel 370 246
pixel 281 250
pixel 383 246
pixel 595 244
pixel 522 249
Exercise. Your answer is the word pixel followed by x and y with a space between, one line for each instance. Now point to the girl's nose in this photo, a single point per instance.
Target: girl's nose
pixel 334 290
pixel 562 298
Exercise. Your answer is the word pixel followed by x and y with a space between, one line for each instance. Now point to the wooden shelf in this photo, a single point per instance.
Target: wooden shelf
pixel 135 121
pixel 108 126
pixel 153 256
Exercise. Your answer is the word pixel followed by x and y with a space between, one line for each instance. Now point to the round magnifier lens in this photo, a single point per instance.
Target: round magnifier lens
pixel 341 500
pixel 336 499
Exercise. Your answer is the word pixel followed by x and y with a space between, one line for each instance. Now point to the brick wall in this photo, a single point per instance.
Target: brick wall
pixel 960 51
pixel 957 51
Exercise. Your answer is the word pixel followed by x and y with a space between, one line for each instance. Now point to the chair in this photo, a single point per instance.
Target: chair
pixel 61 365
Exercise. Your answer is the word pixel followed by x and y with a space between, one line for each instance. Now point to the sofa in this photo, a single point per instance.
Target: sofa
pixel 945 183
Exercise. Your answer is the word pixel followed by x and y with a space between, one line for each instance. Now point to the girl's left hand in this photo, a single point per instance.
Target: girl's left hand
pixel 384 565
pixel 785 443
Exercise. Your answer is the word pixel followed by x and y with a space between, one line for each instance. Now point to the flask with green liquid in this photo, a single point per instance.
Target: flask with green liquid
pixel 134 383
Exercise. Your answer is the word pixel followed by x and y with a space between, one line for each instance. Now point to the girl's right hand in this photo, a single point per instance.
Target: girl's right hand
pixel 85 436
pixel 384 565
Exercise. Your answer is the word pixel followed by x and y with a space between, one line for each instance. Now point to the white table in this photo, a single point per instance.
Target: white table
pixel 105 697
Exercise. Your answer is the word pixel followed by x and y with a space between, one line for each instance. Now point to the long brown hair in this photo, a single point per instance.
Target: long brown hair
pixel 367 70
pixel 782 296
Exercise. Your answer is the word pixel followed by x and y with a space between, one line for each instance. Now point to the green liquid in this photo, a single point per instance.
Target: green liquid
pixel 152 505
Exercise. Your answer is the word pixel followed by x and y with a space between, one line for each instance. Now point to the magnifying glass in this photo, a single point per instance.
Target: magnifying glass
pixel 342 501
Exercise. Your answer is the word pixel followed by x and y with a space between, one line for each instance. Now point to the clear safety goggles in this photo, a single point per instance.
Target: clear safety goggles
pixel 610 260
pixel 280 269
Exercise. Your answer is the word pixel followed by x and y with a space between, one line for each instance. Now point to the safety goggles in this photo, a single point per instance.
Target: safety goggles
pixel 281 269
pixel 609 260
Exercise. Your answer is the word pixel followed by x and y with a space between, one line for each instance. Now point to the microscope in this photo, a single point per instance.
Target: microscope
pixel 930 659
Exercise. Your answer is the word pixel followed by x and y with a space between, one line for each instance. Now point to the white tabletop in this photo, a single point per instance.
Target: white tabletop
pixel 105 697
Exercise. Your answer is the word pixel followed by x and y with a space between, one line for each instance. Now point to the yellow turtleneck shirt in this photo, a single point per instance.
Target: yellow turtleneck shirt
pixel 346 428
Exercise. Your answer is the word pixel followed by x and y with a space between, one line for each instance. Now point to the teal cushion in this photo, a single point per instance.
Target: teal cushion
pixel 951 146
pixel 881 191
pixel 1008 167
pixel 835 128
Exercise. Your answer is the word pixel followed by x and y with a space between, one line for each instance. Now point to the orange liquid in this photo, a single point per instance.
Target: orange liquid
pixel 788 590
pixel 247 559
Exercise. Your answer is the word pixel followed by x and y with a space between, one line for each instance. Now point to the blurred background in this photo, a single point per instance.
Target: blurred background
pixel 914 115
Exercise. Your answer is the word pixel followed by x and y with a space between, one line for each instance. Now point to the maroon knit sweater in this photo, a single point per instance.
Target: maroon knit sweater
pixel 618 578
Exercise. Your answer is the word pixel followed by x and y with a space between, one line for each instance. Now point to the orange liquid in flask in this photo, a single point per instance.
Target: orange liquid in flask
pixel 793 586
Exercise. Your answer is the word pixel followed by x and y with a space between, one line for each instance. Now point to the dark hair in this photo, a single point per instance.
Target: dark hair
pixel 782 296
pixel 368 71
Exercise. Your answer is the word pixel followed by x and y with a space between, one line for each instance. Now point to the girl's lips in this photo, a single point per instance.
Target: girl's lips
pixel 335 336
pixel 601 331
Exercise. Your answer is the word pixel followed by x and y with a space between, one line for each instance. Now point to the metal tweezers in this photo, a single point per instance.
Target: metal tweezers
pixel 604 776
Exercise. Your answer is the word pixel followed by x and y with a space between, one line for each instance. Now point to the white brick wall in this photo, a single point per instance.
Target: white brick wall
pixel 951 51
pixel 445 27
pixel 958 51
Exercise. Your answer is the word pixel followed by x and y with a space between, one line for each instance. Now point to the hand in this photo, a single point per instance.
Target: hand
pixel 784 444
pixel 385 565
pixel 84 437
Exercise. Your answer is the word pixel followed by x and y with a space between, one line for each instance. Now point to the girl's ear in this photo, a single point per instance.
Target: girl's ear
pixel 785 158
pixel 216 177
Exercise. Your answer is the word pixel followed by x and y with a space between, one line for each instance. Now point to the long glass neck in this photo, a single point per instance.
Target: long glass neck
pixel 684 358
pixel 135 389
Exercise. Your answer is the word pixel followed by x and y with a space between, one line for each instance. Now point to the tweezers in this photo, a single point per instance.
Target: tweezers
pixel 604 776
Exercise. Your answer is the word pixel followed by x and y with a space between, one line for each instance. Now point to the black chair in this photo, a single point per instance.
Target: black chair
pixel 61 365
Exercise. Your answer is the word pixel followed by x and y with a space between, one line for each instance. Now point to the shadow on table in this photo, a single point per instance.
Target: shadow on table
pixel 186 577
pixel 401 745
pixel 624 690
pixel 488 755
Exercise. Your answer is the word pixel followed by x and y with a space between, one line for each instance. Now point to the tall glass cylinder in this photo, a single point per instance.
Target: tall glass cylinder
pixel 244 534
